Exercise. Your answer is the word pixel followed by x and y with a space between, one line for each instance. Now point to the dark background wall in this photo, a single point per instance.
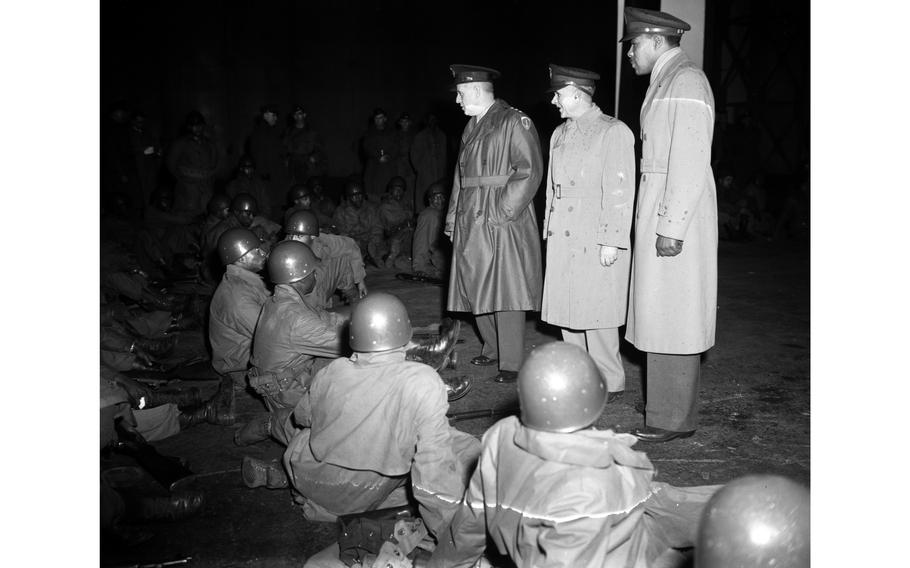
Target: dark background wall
pixel 342 58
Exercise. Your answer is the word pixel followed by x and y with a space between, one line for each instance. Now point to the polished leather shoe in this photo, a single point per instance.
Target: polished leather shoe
pixel 483 361
pixel 615 395
pixel 658 435
pixel 506 377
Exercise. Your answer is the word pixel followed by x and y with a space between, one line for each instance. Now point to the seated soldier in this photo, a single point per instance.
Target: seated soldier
pixel 236 303
pixel 372 431
pixel 397 224
pixel 428 257
pixel 294 334
pixel 303 226
pixel 217 210
pixel 320 203
pixel 249 182
pixel 300 198
pixel 243 214
pixel 359 219
pixel 550 490
pixel 167 245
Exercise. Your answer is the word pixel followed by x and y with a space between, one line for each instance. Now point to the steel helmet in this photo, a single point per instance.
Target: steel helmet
pixel 755 521
pixel 435 188
pixel 291 261
pixel 560 388
pixel 302 222
pixel 217 203
pixel 396 181
pixel 244 202
pixel 379 322
pixel 236 242
pixel 299 192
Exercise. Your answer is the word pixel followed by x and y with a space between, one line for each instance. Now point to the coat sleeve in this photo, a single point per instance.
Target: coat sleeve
pixel 464 540
pixel 526 162
pixel 317 336
pixel 618 188
pixel 453 204
pixel 691 127
pixel 548 183
pixel 435 478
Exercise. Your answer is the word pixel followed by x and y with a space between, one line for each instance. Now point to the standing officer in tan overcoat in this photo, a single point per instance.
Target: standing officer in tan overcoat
pixel 590 192
pixel 496 265
pixel 673 300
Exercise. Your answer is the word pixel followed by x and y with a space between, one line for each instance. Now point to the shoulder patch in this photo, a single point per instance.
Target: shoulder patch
pixel 526 122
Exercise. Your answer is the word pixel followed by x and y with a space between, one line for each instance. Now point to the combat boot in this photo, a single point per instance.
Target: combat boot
pixel 436 352
pixel 183 398
pixel 258 473
pixel 256 430
pixel 171 508
pixel 218 410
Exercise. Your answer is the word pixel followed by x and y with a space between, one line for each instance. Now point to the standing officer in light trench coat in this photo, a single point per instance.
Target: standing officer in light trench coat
pixel 496 265
pixel 590 191
pixel 673 300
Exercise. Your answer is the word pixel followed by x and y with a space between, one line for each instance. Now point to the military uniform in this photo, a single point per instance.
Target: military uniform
pixel 233 314
pixel 192 161
pixel 570 500
pixel 290 334
pixel 496 264
pixel 590 191
pixel 372 423
pixel 673 299
pixel 363 225
pixel 427 256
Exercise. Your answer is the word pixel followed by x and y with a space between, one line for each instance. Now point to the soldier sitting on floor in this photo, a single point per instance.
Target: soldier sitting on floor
pixel 550 490
pixel 371 432
pixel 236 303
pixel 303 226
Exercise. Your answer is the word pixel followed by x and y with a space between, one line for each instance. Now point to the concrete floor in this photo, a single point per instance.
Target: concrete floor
pixel 754 416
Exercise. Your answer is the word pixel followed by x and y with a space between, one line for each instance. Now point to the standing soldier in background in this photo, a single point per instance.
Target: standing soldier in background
pixel 673 300
pixel 192 161
pixel 304 148
pixel 428 156
pixel 496 263
pixel 591 186
pixel 267 149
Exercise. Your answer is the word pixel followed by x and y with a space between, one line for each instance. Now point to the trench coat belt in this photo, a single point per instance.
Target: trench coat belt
pixel 484 181
pixel 561 190
pixel 652 168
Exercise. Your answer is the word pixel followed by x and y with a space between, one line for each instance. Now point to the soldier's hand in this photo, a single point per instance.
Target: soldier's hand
pixel 668 247
pixel 608 255
pixel 362 288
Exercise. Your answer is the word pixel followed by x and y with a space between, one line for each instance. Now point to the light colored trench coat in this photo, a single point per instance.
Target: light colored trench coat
pixel 590 191
pixel 673 300
pixel 496 263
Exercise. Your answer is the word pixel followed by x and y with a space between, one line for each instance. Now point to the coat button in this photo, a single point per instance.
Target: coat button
pixel 567 233
pixel 644 177
pixel 572 182
pixel 549 233
pixel 571 208
pixel 644 136
pixel 552 208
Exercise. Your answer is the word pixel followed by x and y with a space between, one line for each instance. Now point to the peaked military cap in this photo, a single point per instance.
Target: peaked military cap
pixel 642 21
pixel 562 76
pixel 473 73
